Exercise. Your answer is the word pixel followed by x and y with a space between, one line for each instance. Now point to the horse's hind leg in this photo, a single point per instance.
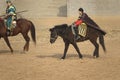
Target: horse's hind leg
pixel 27 39
pixel 8 43
pixel 96 51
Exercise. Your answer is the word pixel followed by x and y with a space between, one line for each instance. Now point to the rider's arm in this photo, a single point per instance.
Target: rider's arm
pixel 12 10
pixel 78 22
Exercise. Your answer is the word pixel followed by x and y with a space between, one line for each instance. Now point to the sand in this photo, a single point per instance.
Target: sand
pixel 42 62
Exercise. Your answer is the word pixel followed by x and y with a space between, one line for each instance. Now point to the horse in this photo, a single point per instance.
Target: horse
pixel 65 32
pixel 23 26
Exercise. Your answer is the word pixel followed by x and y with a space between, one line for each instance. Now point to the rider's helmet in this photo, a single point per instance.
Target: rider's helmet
pixel 81 9
pixel 8 1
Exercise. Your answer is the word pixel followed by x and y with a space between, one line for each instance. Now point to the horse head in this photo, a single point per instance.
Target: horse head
pixel 58 30
pixel 53 35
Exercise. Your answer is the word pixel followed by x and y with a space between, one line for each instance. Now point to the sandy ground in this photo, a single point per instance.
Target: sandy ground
pixel 43 62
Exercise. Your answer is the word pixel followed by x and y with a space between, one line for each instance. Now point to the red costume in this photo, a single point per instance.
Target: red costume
pixel 87 20
pixel 78 22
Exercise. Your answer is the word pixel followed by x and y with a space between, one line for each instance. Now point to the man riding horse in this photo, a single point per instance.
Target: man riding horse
pixel 10 16
pixel 83 18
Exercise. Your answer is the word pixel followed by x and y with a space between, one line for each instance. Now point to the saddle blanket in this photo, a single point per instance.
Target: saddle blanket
pixel 13 24
pixel 82 29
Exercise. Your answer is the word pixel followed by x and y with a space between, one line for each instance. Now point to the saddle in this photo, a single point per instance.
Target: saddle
pixel 13 24
pixel 10 31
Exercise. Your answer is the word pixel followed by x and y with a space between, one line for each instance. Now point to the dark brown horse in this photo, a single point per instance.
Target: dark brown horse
pixel 66 33
pixel 23 26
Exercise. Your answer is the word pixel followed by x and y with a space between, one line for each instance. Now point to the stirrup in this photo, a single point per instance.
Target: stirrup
pixel 77 37
pixel 11 33
pixel 8 32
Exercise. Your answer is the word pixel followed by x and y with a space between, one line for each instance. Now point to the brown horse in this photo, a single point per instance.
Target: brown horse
pixel 23 26
pixel 65 32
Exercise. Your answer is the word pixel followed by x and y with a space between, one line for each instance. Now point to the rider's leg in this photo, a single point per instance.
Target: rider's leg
pixel 73 31
pixel 76 32
pixel 8 23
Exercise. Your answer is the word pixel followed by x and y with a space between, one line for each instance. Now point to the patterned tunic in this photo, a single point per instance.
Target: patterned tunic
pixel 10 11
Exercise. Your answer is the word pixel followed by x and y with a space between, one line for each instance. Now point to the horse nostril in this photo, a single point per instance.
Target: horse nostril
pixel 51 41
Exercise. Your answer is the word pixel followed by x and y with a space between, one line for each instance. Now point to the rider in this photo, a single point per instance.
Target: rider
pixel 83 17
pixel 10 14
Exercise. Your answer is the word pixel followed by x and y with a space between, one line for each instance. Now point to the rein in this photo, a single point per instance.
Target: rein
pixel 55 36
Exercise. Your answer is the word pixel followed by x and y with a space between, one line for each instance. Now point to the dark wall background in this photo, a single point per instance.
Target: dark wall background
pixel 39 8
pixel 63 8
pixel 94 7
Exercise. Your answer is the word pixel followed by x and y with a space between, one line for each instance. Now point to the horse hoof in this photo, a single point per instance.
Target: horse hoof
pixel 95 56
pixel 81 57
pixel 12 51
pixel 62 58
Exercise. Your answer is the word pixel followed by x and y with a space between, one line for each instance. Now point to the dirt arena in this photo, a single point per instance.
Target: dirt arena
pixel 42 62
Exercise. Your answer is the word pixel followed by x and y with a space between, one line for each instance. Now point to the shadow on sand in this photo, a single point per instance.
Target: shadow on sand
pixel 58 56
pixel 9 52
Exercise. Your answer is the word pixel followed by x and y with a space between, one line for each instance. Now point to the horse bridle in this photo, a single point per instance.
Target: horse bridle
pixel 55 36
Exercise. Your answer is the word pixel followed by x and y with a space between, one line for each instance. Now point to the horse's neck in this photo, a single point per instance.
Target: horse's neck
pixel 59 33
pixel 62 33
pixel 2 24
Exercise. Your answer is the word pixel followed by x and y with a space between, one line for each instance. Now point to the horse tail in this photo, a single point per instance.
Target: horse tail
pixel 101 40
pixel 33 34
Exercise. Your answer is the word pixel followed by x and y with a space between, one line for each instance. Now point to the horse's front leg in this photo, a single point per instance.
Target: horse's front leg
pixel 8 43
pixel 77 49
pixel 65 50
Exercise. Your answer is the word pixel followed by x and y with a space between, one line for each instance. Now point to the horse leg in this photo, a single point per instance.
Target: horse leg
pixel 65 50
pixel 77 49
pixel 96 51
pixel 27 39
pixel 8 43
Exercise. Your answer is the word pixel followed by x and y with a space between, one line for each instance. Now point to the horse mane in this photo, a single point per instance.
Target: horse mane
pixel 1 20
pixel 2 24
pixel 63 26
